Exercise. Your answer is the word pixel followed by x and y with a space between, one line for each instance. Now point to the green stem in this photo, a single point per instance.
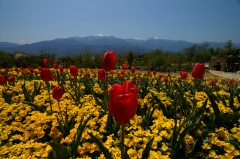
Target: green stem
pixel 60 111
pixel 48 85
pixel 122 142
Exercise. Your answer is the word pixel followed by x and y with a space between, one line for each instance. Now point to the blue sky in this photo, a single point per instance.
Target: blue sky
pixel 28 21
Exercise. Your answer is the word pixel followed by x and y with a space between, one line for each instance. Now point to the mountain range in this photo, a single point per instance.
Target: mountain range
pixel 99 44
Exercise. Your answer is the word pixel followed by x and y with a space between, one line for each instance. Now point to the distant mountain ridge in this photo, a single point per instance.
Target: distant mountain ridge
pixel 99 44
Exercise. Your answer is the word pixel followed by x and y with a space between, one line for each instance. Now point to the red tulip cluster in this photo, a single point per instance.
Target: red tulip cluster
pixel 123 101
pixel 46 74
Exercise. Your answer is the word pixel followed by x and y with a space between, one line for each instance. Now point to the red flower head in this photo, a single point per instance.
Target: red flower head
pixel 109 60
pixel 123 101
pixel 112 72
pixel 40 68
pixel 73 70
pixel 154 72
pixel 211 82
pixel 101 74
pixel 138 81
pixel 122 72
pixel 165 80
pixel 160 76
pixel 124 66
pixel 46 74
pixel 25 72
pixel 53 76
pixel 61 69
pixel 87 74
pixel 183 74
pixel 31 70
pixel 121 77
pixel 148 72
pixel 198 70
pixel 133 69
pixel 57 92
pixel 16 69
pixel 11 78
pixel 3 80
pixel 6 69
pixel 231 81
pixel 45 62
pixel 55 66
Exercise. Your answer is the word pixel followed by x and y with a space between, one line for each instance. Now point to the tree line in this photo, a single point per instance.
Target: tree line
pixel 154 60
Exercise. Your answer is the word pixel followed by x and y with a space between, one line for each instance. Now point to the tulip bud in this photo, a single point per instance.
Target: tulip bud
pixel 133 69
pixel 46 74
pixel 148 72
pixel 11 78
pixel 123 101
pixel 183 74
pixel 3 80
pixel 198 70
pixel 109 60
pixel 57 92
pixel 101 74
pixel 73 70
pixel 154 72
pixel 124 66
pixel 45 62
pixel 55 66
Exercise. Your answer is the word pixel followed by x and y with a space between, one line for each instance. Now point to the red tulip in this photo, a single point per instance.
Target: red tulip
pixel 46 74
pixel 87 75
pixel 61 69
pixel 121 77
pixel 31 70
pixel 109 60
pixel 148 72
pixel 160 76
pixel 183 74
pixel 73 70
pixel 154 72
pixel 11 78
pixel 231 81
pixel 138 81
pixel 6 69
pixel 122 72
pixel 123 101
pixel 101 74
pixel 3 80
pixel 198 70
pixel 55 66
pixel 16 69
pixel 124 66
pixel 53 76
pixel 25 72
pixel 165 80
pixel 45 62
pixel 112 72
pixel 211 82
pixel 133 69
pixel 57 92
pixel 40 68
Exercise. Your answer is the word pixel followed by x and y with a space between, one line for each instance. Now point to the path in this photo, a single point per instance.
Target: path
pixel 228 75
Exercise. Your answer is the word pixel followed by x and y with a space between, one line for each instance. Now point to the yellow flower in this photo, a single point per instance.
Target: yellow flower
pixel 164 147
pixel 132 153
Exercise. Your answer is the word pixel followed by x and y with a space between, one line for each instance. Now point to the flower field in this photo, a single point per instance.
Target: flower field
pixel 177 116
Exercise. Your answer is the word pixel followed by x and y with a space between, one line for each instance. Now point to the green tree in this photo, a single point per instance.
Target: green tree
pixel 130 58
pixel 6 60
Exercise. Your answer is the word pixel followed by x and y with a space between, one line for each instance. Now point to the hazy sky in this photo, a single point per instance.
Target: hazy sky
pixel 28 21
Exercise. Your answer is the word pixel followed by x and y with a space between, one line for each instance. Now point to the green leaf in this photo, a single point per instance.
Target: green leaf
pixel 62 128
pixel 36 107
pixel 146 151
pixel 79 134
pixel 216 110
pixel 59 151
pixel 105 151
